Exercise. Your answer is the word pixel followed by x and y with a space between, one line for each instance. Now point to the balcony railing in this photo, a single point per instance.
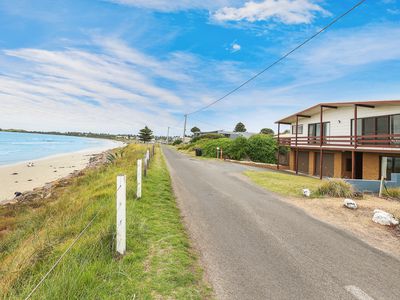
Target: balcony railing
pixel 369 141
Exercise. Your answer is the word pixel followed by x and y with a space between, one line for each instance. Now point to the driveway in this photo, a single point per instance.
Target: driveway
pixel 255 246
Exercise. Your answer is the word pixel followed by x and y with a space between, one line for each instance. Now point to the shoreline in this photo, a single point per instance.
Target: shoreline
pixel 18 177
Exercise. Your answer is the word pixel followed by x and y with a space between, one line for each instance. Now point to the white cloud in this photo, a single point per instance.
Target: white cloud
pixel 285 11
pixel 393 11
pixel 107 86
pixel 235 47
pixel 345 51
pixel 112 88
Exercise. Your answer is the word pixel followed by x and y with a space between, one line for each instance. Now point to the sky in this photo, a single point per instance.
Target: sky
pixel 114 66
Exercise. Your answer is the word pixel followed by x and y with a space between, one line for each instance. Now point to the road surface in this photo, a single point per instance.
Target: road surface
pixel 255 246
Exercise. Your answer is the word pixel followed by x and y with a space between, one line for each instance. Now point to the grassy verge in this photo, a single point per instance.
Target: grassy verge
pixel 284 184
pixel 159 263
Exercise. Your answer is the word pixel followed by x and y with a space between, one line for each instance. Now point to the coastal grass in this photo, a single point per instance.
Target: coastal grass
pixel 159 263
pixel 283 183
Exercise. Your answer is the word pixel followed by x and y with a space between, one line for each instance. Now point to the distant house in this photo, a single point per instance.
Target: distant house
pixel 358 140
pixel 229 134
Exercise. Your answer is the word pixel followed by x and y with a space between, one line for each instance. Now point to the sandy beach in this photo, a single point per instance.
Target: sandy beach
pixel 20 177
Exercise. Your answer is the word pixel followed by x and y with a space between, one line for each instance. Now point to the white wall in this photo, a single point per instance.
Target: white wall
pixel 340 118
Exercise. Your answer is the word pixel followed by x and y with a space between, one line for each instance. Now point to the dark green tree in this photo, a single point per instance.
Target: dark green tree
pixel 240 127
pixel 195 129
pixel 145 134
pixel 267 131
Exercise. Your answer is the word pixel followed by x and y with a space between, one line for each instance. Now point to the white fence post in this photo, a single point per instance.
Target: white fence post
pixel 139 179
pixel 381 187
pixel 121 214
pixel 148 155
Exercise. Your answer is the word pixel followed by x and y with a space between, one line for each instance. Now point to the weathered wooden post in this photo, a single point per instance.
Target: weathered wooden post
pixel 121 214
pixel 139 179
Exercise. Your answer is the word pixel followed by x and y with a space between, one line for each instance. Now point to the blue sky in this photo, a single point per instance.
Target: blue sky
pixel 116 65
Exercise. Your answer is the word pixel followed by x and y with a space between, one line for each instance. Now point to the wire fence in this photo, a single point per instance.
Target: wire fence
pixel 148 155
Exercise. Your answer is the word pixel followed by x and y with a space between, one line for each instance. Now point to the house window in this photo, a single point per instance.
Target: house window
pixel 382 125
pixel 299 129
pixel 315 131
pixel 389 165
pixel 377 125
pixel 395 124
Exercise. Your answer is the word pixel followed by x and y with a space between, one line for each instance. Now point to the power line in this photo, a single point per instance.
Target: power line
pixel 281 58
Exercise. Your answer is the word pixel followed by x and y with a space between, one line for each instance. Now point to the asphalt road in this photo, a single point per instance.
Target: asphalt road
pixel 255 246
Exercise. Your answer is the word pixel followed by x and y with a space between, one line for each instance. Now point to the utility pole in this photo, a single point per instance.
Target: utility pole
pixel 168 136
pixel 184 129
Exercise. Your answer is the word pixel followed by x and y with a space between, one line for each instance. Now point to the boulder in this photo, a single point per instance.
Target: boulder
pixel 384 218
pixel 306 193
pixel 349 203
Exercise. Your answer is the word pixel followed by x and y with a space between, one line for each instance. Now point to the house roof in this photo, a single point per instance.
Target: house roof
pixel 316 108
pixel 246 133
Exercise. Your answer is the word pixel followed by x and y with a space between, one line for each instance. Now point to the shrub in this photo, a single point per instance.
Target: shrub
pixel 238 149
pixel 177 142
pixel 262 148
pixel 208 136
pixel 210 146
pixel 392 193
pixel 335 188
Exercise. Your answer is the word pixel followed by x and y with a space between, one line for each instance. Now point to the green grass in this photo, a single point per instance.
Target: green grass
pixel 159 263
pixel 282 183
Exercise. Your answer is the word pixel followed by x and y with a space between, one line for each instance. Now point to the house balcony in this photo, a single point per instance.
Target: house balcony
pixel 379 142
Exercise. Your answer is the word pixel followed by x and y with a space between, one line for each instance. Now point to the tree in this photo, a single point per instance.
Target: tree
pixel 240 127
pixel 195 129
pixel 145 134
pixel 286 131
pixel 267 131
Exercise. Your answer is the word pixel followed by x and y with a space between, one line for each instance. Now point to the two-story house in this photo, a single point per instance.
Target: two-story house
pixel 359 140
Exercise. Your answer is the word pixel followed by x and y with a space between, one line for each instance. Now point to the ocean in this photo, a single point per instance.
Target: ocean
pixel 21 147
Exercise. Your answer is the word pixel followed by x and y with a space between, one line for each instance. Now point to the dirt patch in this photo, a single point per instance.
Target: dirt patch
pixel 358 222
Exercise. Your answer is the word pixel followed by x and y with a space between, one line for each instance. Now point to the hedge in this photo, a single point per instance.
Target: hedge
pixel 262 148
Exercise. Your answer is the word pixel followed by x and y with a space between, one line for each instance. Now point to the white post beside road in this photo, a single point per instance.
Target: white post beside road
pixel 121 214
pixel 381 187
pixel 139 179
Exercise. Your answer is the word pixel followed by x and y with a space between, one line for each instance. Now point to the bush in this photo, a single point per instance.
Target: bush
pixel 392 193
pixel 262 148
pixel 209 147
pixel 238 149
pixel 209 136
pixel 335 188
pixel 177 142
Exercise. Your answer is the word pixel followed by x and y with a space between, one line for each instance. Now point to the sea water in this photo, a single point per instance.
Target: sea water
pixel 21 147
